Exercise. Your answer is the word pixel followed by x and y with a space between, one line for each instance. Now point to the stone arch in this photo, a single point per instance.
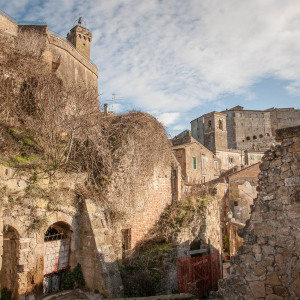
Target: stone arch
pixel 10 260
pixel 57 255
pixel 209 124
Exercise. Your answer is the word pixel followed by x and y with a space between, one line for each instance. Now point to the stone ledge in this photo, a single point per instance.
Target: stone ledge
pixel 163 297
pixel 288 132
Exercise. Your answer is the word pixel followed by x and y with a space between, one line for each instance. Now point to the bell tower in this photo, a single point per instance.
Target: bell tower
pixel 81 38
pixel 214 131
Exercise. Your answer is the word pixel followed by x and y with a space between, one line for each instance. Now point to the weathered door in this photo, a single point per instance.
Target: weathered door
pixel 56 260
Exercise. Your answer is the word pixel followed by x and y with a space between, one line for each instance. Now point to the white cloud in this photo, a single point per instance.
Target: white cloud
pixel 179 127
pixel 168 118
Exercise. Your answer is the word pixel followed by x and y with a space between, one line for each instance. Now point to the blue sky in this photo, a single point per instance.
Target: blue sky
pixel 179 59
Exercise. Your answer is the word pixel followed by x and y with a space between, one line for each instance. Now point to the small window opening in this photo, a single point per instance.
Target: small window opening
pixel 126 241
pixel 261 136
pixel 248 138
pixel 254 137
pixel 209 124
pixel 221 124
pixel 194 163
pixel 53 234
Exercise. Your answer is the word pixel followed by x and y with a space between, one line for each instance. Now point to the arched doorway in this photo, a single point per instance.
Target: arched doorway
pixel 57 242
pixel 10 260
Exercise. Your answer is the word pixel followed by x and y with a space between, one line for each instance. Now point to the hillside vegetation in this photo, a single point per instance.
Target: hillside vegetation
pixel 46 126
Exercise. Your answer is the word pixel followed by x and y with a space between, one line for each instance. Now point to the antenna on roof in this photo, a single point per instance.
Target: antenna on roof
pixel 113 99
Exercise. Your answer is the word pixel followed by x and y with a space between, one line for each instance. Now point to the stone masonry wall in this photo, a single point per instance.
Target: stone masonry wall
pixel 27 211
pixel 267 266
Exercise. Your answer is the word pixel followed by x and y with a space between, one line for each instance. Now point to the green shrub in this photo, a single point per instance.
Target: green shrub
pixel 73 279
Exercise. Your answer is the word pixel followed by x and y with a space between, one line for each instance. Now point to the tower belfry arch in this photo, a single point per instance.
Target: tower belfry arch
pixel 81 38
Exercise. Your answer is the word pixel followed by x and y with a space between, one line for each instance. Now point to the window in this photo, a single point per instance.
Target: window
pixel 221 124
pixel 216 165
pixel 242 124
pixel 209 124
pixel 291 120
pixel 279 120
pixel 267 134
pixel 231 160
pixel 203 163
pixel 194 163
pixel 248 138
pixel 241 114
pixel 203 179
pixel 126 241
pixel 254 137
pixel 261 136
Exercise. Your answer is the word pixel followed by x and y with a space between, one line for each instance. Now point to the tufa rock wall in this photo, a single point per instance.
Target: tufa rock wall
pixel 267 266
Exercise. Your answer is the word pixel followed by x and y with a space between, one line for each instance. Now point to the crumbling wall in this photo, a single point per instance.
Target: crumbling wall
pixel 27 211
pixel 267 266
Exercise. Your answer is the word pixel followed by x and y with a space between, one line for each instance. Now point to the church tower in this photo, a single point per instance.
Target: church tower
pixel 210 130
pixel 215 132
pixel 81 38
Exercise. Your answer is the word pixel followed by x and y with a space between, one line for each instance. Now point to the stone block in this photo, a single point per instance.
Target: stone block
pixel 292 181
pixel 295 286
pixel 258 289
pixel 272 279
pixel 280 291
pixel 274 297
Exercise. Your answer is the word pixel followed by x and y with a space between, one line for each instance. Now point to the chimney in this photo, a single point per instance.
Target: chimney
pixel 106 108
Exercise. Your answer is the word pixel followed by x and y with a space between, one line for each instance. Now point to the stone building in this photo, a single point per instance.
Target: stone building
pixel 283 117
pixel 198 164
pixel 239 137
pixel 214 132
pixel 248 129
pixel 267 266
pixel 69 59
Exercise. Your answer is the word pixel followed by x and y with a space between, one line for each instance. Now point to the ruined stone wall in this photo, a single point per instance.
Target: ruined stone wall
pixel 145 217
pixel 235 241
pixel 267 266
pixel 242 190
pixel 28 210
pixel 139 206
